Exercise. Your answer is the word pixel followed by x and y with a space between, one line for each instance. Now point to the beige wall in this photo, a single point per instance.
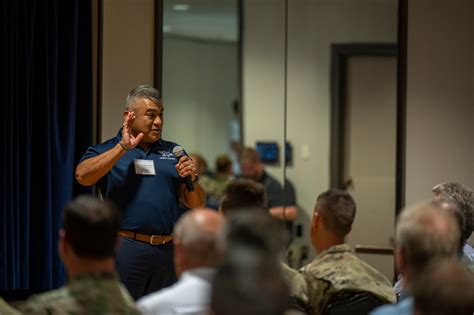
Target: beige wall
pixel 127 56
pixel 263 75
pixel 199 85
pixel 440 99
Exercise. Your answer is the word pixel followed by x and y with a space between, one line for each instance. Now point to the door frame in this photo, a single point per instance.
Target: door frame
pixel 340 53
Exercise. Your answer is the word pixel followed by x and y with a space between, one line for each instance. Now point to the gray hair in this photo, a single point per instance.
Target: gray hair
pixel 199 240
pixel 462 195
pixel 424 233
pixel 143 92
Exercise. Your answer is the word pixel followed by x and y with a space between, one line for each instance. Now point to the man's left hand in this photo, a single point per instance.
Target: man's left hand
pixel 186 167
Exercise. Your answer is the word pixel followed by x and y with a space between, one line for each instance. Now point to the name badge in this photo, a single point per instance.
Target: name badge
pixel 144 167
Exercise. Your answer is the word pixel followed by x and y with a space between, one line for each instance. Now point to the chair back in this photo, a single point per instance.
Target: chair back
pixel 354 303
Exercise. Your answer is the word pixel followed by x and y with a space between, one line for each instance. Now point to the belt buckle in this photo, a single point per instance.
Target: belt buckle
pixel 151 239
pixel 158 243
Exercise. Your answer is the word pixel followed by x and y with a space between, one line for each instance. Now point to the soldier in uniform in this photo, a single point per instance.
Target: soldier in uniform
pixel 336 269
pixel 86 246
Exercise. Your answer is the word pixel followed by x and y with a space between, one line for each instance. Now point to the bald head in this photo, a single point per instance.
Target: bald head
pixel 424 233
pixel 195 237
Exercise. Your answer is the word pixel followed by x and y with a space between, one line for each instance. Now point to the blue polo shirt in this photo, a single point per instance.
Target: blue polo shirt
pixel 150 203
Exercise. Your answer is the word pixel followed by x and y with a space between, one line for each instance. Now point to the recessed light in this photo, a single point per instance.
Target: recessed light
pixel 181 7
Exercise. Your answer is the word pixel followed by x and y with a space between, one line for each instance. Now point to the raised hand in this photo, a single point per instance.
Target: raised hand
pixel 128 139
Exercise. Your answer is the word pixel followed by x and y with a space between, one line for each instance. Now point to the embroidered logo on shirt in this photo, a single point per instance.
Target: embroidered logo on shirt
pixel 165 155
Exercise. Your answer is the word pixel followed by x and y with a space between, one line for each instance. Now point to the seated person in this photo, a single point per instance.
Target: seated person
pixel 336 269
pixel 86 246
pixel 423 234
pixel 281 202
pixel 241 194
pixel 444 288
pixel 252 266
pixel 464 197
pixel 195 255
pixel 216 186
pixel 250 286
pixel 459 200
pixel 245 197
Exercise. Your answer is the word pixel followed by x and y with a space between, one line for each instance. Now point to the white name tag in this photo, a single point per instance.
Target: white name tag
pixel 144 167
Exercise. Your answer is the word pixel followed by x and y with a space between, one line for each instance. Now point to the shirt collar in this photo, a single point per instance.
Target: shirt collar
pixel 342 248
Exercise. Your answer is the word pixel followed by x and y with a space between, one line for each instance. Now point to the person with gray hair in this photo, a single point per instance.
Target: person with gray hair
pixel 196 254
pixel 423 234
pixel 464 197
pixel 139 172
pixel 444 288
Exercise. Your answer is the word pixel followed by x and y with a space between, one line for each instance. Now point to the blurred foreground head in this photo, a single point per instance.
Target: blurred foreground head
pixel 90 228
pixel 250 279
pixel 424 233
pixel 445 287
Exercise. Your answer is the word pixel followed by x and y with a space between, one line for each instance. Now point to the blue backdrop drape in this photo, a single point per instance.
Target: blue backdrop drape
pixel 46 78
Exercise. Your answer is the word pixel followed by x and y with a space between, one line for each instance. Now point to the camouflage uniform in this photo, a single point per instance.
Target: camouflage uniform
pixel 338 269
pixel 91 293
pixel 297 287
pixel 6 309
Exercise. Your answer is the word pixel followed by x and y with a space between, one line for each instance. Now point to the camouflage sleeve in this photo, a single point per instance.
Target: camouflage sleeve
pixel 32 308
pixel 317 294
pixel 6 309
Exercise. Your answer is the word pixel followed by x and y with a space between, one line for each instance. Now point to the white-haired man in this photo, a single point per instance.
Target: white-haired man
pixel 423 234
pixel 196 253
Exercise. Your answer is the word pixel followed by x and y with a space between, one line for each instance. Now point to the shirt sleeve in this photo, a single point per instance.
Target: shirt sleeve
pixel 98 149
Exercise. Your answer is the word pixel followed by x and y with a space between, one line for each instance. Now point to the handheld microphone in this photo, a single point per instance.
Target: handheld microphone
pixel 178 152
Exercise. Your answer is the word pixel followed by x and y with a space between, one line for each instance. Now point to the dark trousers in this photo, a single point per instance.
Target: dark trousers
pixel 144 268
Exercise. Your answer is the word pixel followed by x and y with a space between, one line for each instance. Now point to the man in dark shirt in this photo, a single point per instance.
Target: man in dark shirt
pixel 281 203
pixel 137 170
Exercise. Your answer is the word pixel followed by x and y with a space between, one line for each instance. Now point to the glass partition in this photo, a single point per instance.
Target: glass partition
pixel 341 116
pixel 312 80
pixel 212 108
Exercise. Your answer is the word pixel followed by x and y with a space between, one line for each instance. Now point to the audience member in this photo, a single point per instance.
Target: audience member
pixel 444 288
pixel 241 194
pixel 250 281
pixel 281 203
pixel 249 227
pixel 87 243
pixel 464 196
pixel 195 256
pixel 459 200
pixel 336 269
pixel 218 183
pixel 422 235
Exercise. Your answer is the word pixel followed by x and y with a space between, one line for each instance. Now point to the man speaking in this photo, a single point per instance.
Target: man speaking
pixel 138 171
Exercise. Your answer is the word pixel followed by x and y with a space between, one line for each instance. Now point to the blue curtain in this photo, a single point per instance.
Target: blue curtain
pixel 46 78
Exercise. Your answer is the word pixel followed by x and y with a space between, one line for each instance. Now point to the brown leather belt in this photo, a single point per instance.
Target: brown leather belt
pixel 150 239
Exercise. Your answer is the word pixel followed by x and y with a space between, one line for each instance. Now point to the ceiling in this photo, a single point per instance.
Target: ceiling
pixel 205 19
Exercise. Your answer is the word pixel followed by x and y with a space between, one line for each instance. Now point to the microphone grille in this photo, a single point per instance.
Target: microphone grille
pixel 178 151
